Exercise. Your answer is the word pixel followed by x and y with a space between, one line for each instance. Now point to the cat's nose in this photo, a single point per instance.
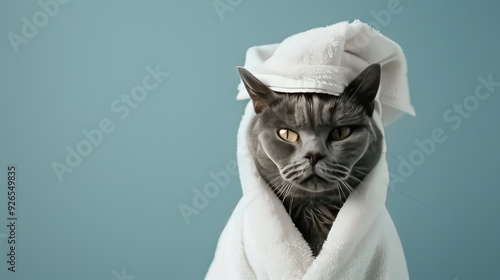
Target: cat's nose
pixel 314 158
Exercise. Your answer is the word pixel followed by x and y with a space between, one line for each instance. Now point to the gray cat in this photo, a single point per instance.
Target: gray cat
pixel 314 149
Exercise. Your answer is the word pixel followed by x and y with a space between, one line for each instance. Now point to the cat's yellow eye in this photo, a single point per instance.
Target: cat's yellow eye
pixel 288 135
pixel 341 133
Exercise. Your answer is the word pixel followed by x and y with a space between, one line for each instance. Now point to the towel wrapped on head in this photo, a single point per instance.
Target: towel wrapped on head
pixel 260 240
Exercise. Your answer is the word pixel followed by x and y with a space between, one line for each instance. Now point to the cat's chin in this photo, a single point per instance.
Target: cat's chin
pixel 313 185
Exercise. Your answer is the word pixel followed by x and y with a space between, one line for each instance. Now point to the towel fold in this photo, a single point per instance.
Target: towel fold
pixel 260 241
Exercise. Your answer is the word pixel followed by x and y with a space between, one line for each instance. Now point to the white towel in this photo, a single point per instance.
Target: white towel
pixel 260 240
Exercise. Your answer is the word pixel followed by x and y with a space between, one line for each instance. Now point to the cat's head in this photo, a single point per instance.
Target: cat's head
pixel 305 144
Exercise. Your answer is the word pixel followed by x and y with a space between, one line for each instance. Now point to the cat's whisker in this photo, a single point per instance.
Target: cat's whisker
pixel 341 191
pixel 285 196
pixel 290 189
pixel 392 155
pixel 341 187
pixel 357 170
pixel 354 178
pixel 348 187
pixel 276 179
pixel 281 185
pixel 292 174
pixel 283 189
pixel 277 184
pixel 291 205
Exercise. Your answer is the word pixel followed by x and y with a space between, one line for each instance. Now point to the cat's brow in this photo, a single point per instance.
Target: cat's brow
pixel 309 111
pixel 351 119
pixel 312 111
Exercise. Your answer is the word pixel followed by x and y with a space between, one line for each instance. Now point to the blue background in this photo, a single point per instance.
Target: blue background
pixel 119 208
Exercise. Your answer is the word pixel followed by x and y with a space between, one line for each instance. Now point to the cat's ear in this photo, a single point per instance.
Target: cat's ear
pixel 363 89
pixel 262 96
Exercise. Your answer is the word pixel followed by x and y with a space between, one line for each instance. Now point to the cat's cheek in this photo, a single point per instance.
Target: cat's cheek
pixel 278 151
pixel 362 147
pixel 349 151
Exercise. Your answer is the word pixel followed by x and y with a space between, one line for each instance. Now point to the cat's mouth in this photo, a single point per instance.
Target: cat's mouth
pixel 313 184
pixel 312 178
pixel 315 180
